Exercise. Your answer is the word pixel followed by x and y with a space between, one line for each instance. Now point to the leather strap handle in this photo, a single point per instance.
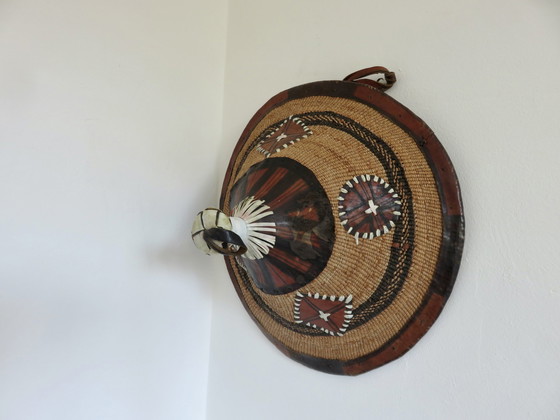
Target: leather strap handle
pixel 389 77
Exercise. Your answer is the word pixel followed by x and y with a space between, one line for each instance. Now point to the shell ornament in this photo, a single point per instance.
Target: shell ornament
pixel 341 222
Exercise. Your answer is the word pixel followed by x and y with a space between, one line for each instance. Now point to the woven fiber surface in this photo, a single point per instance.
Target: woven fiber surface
pixel 387 276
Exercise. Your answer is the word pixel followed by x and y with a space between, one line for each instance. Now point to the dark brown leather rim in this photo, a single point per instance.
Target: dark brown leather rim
pixel 452 210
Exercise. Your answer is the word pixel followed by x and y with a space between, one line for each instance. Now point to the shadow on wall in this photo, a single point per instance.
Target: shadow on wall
pixel 180 254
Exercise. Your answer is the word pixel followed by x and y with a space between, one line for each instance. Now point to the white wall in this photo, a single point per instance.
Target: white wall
pixel 484 75
pixel 110 120
pixel 110 141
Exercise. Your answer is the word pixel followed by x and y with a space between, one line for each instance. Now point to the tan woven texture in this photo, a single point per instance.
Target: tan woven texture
pixel 335 157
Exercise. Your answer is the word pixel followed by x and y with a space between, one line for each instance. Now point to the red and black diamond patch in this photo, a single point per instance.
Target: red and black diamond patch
pixel 330 314
pixel 292 130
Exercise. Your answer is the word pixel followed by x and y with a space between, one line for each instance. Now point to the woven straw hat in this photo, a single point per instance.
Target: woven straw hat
pixel 342 223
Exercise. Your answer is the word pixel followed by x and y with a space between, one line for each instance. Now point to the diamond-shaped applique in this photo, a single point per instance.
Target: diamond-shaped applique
pixel 330 314
pixel 292 130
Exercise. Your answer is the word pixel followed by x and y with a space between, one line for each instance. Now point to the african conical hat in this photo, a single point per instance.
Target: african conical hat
pixel 354 218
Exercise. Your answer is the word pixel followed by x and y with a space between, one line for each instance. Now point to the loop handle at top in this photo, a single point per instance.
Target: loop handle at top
pixel 389 77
